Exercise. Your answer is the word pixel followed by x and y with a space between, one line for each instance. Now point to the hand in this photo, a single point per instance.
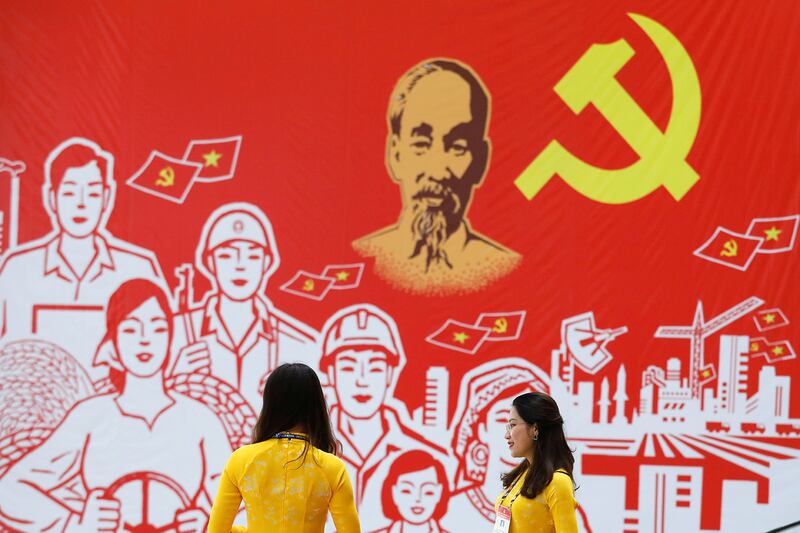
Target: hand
pixel 99 514
pixel 193 359
pixel 190 521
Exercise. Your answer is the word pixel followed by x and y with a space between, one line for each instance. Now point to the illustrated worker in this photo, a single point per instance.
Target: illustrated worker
pixel 56 287
pixel 363 356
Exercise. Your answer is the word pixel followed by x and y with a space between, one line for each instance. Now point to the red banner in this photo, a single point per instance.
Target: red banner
pixel 438 206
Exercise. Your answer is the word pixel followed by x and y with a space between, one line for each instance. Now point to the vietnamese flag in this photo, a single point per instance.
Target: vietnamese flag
pixel 780 351
pixel 778 233
pixel 344 276
pixel 455 335
pixel 308 285
pixel 768 319
pixel 502 326
pixel 772 351
pixel 218 157
pixel 165 177
pixel 730 249
pixel 708 373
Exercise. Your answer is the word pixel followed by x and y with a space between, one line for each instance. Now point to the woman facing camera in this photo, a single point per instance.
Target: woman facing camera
pixel 142 457
pixel 415 494
pixel 538 494
pixel 289 477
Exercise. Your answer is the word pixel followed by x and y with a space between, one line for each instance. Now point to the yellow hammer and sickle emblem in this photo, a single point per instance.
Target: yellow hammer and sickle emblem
pixel 729 249
pixel 500 325
pixel 662 156
pixel 308 285
pixel 166 177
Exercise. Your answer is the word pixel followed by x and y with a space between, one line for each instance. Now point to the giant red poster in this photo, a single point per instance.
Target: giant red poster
pixel 436 205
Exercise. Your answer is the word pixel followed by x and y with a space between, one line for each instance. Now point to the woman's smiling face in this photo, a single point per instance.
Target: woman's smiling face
pixel 416 495
pixel 143 339
pixel 519 435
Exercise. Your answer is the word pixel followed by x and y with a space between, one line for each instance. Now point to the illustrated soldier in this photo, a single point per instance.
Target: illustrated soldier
pixel 236 334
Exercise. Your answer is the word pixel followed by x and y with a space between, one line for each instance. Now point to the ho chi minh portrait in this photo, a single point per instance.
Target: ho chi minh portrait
pixel 437 151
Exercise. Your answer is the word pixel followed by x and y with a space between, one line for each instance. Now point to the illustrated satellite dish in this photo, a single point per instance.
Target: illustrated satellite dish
pixel 586 344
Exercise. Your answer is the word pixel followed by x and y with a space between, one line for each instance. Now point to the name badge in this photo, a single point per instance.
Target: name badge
pixel 503 521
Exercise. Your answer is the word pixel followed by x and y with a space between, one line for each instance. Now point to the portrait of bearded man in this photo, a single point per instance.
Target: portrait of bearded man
pixel 437 151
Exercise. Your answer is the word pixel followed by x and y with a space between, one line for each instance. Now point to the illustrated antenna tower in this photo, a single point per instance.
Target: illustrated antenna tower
pixel 9 202
pixel 700 330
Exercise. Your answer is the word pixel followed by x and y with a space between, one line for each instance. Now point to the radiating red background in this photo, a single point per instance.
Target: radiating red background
pixel 307 85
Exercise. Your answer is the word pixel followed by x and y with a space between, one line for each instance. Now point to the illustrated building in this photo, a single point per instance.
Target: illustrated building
pixel 732 375
pixel 772 399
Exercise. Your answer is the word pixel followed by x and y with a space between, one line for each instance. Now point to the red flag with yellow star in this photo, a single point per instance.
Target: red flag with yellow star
pixel 165 177
pixel 218 157
pixel 308 285
pixel 768 319
pixel 344 276
pixel 730 249
pixel 502 326
pixel 708 373
pixel 455 335
pixel 778 351
pixel 778 233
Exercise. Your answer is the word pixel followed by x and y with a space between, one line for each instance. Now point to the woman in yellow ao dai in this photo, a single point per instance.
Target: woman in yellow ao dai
pixel 538 495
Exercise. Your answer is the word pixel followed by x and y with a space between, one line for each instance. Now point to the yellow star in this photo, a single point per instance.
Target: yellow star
pixel 778 350
pixel 212 158
pixel 772 233
pixel 460 337
pixel 754 347
pixel 342 275
pixel 769 319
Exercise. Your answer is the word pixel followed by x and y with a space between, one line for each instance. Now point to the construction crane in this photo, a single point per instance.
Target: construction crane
pixel 700 330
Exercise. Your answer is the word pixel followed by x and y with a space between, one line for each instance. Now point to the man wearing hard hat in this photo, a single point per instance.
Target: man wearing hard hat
pixel 236 334
pixel 362 355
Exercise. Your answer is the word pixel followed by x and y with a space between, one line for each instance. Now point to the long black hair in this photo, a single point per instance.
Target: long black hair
pixel 550 451
pixel 293 398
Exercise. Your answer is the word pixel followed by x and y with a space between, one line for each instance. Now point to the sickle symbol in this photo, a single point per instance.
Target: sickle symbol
pixel 729 249
pixel 662 156
pixel 500 325
pixel 308 285
pixel 166 177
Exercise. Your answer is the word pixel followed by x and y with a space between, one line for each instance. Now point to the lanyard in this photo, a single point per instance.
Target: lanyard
pixel 290 436
pixel 508 491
